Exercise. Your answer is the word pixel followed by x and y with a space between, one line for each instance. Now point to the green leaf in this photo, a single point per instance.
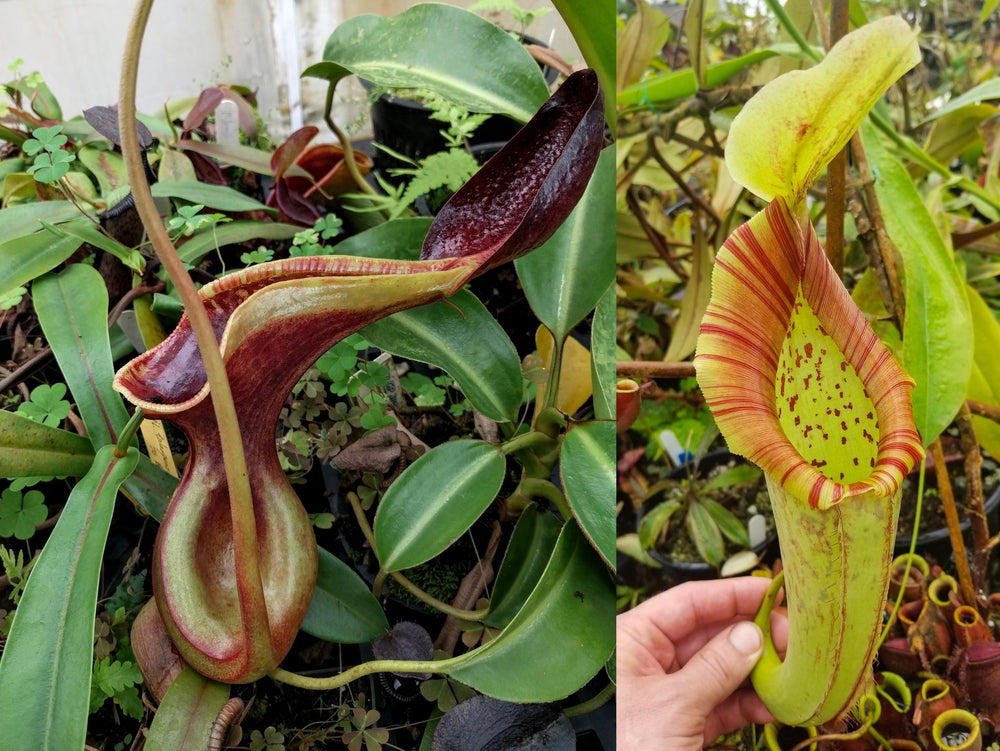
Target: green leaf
pixel 531 544
pixel 72 309
pixel 49 167
pixel 435 500
pixel 399 239
pixel 20 514
pixel 653 524
pixel 587 469
pixel 150 487
pixel 462 338
pixel 985 91
pixel 107 166
pixel 697 293
pixel 204 242
pixel 239 155
pixel 220 197
pixel 733 476
pixel 18 222
pixel 184 719
pixel 727 522
pixel 28 256
pixel 676 84
pixel 343 609
pixel 602 356
pixel 418 49
pixel 984 384
pixel 565 277
pixel 937 330
pixel 30 449
pixel 559 640
pixel 47 405
pixel 43 102
pixel 50 646
pixel 705 534
pixel 592 24
pixel 85 230
pixel 694 30
pixel 113 677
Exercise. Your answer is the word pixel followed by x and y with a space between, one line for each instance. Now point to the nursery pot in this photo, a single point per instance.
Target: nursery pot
pixel 405 125
pixel 936 543
pixel 682 570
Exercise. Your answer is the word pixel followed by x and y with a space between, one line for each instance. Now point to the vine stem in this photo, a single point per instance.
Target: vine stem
pixel 409 586
pixel 366 668
pixel 345 144
pixel 909 558
pixel 253 609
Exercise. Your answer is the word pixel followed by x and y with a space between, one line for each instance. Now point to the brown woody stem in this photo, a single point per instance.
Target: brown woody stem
pixel 974 499
pixel 954 525
pixel 989 411
pixel 645 369
pixel 895 304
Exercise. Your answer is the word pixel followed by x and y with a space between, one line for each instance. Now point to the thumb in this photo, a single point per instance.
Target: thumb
pixel 719 668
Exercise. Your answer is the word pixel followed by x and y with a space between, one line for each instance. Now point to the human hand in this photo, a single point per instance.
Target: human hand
pixel 682 662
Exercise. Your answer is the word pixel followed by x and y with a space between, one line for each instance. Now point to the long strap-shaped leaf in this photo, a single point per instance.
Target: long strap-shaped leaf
pixel 45 670
pixel 30 449
pixel 72 308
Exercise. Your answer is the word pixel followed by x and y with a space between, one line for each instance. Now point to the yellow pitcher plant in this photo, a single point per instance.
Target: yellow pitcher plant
pixel 800 384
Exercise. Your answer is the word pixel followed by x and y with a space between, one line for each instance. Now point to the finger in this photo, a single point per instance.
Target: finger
pixel 714 673
pixel 685 648
pixel 671 616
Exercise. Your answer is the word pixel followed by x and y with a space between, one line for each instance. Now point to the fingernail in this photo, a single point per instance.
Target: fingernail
pixel 746 637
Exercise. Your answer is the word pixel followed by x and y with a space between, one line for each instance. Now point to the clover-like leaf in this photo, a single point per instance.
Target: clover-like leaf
pixel 20 514
pixel 46 405
pixel 50 167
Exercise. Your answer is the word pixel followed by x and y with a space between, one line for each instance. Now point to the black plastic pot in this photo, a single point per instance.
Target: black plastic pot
pixel 681 571
pixel 936 543
pixel 405 126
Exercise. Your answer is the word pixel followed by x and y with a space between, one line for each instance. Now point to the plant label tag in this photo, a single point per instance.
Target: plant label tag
pixel 157 445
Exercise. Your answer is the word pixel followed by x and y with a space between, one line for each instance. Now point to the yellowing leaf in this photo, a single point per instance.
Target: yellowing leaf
pixel 788 132
pixel 574 379
pixel 642 39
